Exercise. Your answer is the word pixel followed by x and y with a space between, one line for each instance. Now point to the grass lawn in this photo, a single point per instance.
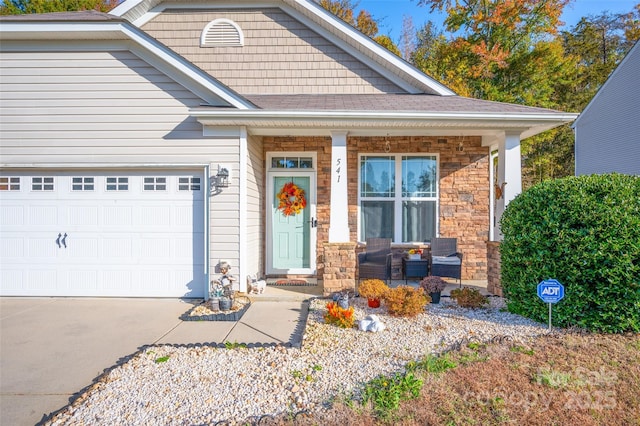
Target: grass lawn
pixel 562 379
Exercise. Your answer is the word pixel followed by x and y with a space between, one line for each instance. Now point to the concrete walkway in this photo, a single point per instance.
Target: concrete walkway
pixel 52 348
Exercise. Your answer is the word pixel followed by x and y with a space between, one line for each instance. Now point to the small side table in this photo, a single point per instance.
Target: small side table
pixel 414 268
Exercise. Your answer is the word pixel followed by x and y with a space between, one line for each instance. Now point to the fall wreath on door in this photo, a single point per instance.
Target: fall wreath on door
pixel 291 198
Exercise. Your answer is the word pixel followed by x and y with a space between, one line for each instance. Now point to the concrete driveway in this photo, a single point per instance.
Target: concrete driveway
pixel 52 348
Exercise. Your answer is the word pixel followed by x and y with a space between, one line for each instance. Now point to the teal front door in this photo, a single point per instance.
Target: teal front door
pixel 292 220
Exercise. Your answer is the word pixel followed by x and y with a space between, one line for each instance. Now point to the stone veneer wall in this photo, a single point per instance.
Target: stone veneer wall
pixel 494 283
pixel 464 189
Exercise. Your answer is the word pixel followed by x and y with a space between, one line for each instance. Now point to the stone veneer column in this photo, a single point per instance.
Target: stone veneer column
pixel 494 283
pixel 339 267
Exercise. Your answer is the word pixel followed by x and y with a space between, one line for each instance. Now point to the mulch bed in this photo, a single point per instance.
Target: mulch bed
pixel 202 312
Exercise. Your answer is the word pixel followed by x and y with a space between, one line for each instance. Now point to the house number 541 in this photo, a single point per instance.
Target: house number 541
pixel 338 168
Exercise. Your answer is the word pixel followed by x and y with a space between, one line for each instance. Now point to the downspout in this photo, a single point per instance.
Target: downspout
pixel 242 193
pixel 207 233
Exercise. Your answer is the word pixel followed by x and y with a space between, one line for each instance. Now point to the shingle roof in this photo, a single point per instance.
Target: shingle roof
pixel 388 102
pixel 84 15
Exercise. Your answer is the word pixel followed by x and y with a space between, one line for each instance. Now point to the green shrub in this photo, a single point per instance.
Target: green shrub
pixel 386 393
pixel 468 297
pixel 585 232
pixel 405 301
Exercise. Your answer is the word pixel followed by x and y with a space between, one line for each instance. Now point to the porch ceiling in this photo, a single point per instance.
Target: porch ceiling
pixel 490 125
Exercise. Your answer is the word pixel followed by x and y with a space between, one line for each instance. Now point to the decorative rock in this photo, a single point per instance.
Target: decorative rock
pixel 203 384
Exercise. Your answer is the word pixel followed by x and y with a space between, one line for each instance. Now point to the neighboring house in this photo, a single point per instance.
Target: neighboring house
pixel 117 130
pixel 608 130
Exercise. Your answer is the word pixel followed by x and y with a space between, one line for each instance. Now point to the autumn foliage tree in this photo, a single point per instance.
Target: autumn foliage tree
pixel 364 22
pixel 18 7
pixel 513 51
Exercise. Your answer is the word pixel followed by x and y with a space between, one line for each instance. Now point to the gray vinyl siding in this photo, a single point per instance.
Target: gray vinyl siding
pixel 608 130
pixel 255 206
pixel 280 55
pixel 73 109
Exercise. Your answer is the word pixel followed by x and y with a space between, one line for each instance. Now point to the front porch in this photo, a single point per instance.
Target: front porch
pixel 463 203
pixel 299 293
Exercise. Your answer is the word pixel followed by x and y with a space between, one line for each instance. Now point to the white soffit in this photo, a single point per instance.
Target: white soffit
pixel 400 122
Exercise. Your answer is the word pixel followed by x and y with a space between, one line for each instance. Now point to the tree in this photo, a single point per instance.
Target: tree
pixel 386 42
pixel 595 45
pixel 343 9
pixel 19 7
pixel 501 42
pixel 511 51
pixel 366 24
pixel 407 38
pixel 631 26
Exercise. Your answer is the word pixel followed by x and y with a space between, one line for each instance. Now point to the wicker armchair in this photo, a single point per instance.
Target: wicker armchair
pixel 444 258
pixel 375 262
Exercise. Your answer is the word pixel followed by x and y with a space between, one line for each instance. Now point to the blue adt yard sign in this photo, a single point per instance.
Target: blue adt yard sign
pixel 550 291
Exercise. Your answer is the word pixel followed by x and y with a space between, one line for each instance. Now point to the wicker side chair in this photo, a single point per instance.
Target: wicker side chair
pixel 375 262
pixel 444 258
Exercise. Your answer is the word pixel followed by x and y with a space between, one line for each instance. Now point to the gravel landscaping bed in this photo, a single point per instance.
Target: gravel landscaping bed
pixel 168 385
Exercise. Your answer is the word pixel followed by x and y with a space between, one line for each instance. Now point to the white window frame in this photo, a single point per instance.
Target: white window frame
pixel 118 184
pixel 43 184
pixel 11 184
pixel 156 184
pixel 398 198
pixel 84 185
pixel 193 183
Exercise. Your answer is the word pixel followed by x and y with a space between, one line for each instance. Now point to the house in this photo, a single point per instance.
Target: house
pixel 607 132
pixel 141 149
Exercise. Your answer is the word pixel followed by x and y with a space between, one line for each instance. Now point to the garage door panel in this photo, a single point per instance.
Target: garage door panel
pixel 156 216
pixel 82 281
pixel 118 249
pixel 12 280
pixel 79 248
pixel 117 282
pixel 12 247
pixel 152 249
pixel 80 215
pixel 41 279
pixel 117 216
pixel 12 216
pixel 42 249
pixel 42 216
pixel 128 242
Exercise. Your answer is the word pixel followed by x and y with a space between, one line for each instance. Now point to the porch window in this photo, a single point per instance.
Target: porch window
pixel 403 208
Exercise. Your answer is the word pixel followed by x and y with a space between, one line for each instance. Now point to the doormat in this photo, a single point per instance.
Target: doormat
pixel 291 282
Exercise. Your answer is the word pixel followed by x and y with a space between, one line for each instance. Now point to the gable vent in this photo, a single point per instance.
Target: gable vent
pixel 221 32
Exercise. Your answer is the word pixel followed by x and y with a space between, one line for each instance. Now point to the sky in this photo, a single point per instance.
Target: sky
pixel 389 13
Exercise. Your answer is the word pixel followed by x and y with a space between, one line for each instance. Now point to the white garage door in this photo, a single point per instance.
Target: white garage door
pixel 106 233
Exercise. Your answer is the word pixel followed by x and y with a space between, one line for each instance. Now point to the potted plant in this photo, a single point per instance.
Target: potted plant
pixel 415 254
pixel 373 289
pixel 433 286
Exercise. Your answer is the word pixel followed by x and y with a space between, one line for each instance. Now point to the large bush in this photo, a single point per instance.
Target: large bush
pixel 585 232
